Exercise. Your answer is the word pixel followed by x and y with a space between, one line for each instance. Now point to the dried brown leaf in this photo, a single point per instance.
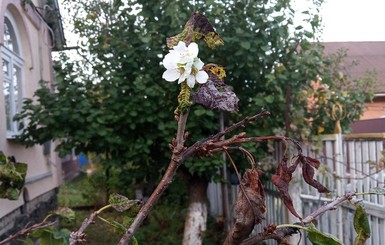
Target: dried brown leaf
pixel 281 179
pixel 215 94
pixel 308 174
pixel 197 27
pixel 249 209
pixel 313 162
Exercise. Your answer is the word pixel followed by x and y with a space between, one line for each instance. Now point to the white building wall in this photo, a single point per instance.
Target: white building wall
pixel 43 170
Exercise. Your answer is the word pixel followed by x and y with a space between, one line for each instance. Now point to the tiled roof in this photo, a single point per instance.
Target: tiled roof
pixel 369 55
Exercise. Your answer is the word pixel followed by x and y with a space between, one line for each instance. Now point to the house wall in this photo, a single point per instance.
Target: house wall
pixel 44 170
pixel 375 109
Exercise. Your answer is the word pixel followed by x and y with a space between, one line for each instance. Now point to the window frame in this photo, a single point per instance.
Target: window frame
pixel 15 62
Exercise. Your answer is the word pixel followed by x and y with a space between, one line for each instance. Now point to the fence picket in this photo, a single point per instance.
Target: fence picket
pixel 349 160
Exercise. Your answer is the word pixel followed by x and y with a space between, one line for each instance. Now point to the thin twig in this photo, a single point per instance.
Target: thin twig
pixel 328 206
pixel 240 124
pixel 27 230
pixel 280 235
pixel 239 177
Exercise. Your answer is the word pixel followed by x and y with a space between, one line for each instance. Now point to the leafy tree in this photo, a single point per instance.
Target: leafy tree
pixel 113 102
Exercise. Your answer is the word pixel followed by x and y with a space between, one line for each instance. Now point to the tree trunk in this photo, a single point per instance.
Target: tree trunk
pixel 196 217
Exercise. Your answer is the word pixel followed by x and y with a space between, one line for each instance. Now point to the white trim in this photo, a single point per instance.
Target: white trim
pixel 38 177
pixel 15 61
pixel 9 16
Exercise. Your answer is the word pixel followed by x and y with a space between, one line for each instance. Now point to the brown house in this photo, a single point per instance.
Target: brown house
pixel 370 56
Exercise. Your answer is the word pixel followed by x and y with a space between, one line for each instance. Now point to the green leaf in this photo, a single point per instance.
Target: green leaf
pixel 245 45
pixel 199 112
pixel 269 99
pixel 361 225
pixel 28 241
pixel 65 212
pixel 121 203
pixel 12 178
pixel 320 238
pixel 118 226
pixel 13 193
pixel 134 241
pixel 63 235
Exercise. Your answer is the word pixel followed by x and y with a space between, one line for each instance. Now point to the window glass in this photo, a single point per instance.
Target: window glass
pixel 12 73
pixel 10 36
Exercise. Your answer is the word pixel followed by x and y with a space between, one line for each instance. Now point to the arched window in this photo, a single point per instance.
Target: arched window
pixel 13 63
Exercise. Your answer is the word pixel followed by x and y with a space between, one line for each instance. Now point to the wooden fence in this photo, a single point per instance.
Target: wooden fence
pixel 349 163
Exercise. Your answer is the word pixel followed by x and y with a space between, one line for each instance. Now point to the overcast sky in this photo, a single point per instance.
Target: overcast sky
pixel 353 20
pixel 344 20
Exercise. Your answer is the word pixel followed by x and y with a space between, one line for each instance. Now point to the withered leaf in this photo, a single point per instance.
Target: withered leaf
pixel 308 174
pixel 313 162
pixel 215 94
pixel 249 208
pixel 197 27
pixel 281 179
pixel 283 188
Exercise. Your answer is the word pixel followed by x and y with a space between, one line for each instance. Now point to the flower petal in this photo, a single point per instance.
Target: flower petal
pixel 193 50
pixel 187 60
pixel 181 47
pixel 198 63
pixel 191 81
pixel 171 75
pixel 183 76
pixel 170 61
pixel 202 77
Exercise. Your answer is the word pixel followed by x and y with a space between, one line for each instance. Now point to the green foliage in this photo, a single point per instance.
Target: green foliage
pixel 320 238
pixel 49 236
pixel 164 226
pixel 121 203
pixel 361 225
pixel 12 178
pixel 335 95
pixel 64 213
pixel 113 101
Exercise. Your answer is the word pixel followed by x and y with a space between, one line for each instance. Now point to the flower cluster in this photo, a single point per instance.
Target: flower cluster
pixel 183 64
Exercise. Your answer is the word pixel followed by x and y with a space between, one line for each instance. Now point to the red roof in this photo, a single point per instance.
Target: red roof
pixel 369 55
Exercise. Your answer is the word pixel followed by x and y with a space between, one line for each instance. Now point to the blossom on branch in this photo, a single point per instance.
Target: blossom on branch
pixel 182 63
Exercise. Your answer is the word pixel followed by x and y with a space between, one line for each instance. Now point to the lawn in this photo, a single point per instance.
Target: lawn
pixel 164 225
pixel 81 192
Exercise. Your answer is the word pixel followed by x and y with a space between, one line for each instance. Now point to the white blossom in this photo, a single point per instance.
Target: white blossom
pixel 182 63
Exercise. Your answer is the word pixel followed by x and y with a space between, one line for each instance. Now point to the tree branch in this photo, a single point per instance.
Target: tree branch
pixel 27 230
pixel 240 124
pixel 215 143
pixel 79 235
pixel 173 166
pixel 328 206
pixel 181 153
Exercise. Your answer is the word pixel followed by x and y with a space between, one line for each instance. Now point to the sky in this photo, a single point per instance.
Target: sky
pixel 343 20
pixel 353 20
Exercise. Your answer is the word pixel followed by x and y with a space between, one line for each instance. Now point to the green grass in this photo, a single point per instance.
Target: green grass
pixel 164 225
pixel 98 233
pixel 81 192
